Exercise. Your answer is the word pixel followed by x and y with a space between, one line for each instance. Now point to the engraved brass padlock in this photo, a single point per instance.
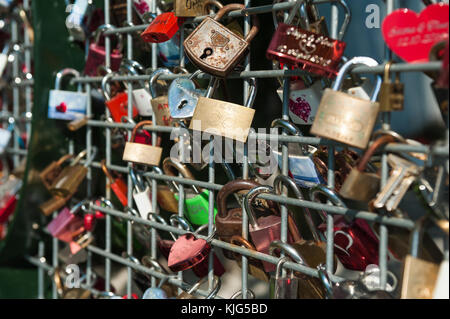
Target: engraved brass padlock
pixel 344 118
pixel 215 49
pixel 160 104
pixel 141 153
pixel 188 8
pixel 51 172
pixel 391 94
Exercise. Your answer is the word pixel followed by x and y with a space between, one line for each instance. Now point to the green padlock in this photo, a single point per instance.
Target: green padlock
pixel 196 202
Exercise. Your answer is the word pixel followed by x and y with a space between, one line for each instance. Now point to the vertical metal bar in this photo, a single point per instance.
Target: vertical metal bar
pixel 28 88
pixel 130 116
pixel 54 261
pixel 108 159
pixel 88 141
pixel 41 254
pixel 211 179
pixel 16 92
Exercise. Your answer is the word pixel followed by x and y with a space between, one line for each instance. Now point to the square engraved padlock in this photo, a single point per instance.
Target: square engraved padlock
pixel 215 49
pixel 345 118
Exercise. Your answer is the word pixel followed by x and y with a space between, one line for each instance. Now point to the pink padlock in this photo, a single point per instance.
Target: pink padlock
pixel 97 54
pixel 67 223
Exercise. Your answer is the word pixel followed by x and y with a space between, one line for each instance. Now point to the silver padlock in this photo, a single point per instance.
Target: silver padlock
pixel 141 194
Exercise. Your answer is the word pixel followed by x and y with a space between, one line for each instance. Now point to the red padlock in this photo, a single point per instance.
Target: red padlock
pixel 118 105
pixel 163 28
pixel 97 54
pixel 118 186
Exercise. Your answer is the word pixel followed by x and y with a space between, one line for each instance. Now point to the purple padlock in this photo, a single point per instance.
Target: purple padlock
pixel 67 223
pixel 97 53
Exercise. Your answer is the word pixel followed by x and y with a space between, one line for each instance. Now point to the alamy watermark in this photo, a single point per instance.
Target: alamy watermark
pixel 373 18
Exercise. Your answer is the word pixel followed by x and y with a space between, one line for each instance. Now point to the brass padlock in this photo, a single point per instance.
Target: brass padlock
pixel 52 171
pixel 391 94
pixel 53 204
pixel 141 153
pixel 419 275
pixel 188 8
pixel 72 176
pixel 165 194
pixel 344 118
pixel 215 49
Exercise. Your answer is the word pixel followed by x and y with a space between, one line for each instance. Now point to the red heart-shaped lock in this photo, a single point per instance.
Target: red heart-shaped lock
pixel 411 36
pixel 89 222
pixel 187 252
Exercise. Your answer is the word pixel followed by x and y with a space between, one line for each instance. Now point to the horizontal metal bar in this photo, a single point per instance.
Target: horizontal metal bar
pixel 16 151
pixel 21 83
pixel 398 67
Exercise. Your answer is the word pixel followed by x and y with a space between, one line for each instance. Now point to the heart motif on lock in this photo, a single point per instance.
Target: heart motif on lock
pixel 411 36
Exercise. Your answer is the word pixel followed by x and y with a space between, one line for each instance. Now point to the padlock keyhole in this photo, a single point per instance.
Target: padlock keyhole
pixel 182 104
pixel 206 53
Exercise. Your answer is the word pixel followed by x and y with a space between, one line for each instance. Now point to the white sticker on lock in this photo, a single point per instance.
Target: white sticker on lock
pixel 142 100
pixel 143 202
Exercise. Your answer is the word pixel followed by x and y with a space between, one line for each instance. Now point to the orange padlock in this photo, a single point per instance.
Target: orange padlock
pixel 118 105
pixel 163 28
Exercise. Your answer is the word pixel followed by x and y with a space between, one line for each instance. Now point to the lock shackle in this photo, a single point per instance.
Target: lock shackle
pixel 58 281
pixel 211 3
pixel 286 249
pixel 291 129
pixel 154 77
pixel 253 91
pixel 104 27
pixel 63 159
pixel 203 228
pixel 63 73
pixel 106 89
pixel 137 180
pixel 241 241
pixel 350 64
pixel 170 163
pixel 177 221
pixel 106 171
pixel 135 65
pixel 236 6
pixel 134 68
pixel 387 71
pixel 288 182
pixel 141 124
pixel 232 188
pixel 279 267
pixel 149 262
pixel 198 284
pixel 347 15
pixel 212 86
pixel 292 13
pixel 103 70
pixel 330 194
pixel 325 280
pixel 417 235
pixel 377 144
pixel 250 197
pixel 159 219
pixel 103 201
pixel 79 206
pixel 250 294
pixel 392 133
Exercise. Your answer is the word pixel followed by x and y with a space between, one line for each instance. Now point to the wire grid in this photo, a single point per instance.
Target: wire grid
pixel 283 199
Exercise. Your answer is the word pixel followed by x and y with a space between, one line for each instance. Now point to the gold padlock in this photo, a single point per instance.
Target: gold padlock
pixel 188 8
pixel 52 171
pixel 391 94
pixel 223 118
pixel 345 118
pixel 72 176
pixel 141 153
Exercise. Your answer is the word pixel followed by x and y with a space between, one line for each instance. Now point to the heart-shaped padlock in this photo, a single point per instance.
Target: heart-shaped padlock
pixel 411 36
pixel 188 250
pixel 183 97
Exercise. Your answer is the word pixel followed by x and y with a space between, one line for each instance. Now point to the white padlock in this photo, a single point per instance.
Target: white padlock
pixel 441 289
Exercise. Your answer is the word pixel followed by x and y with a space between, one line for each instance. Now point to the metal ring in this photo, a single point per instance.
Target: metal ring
pixel 392 133
pixel 240 293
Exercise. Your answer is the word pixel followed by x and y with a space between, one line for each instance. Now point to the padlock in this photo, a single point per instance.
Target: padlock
pixel 169 290
pixel 97 55
pixel 314 53
pixel 255 267
pixel 66 105
pixel 344 118
pixel 215 49
pixel 189 8
pixel 303 101
pixel 165 195
pixel 391 94
pixel 6 134
pixel 197 203
pixel 141 194
pixel 160 105
pixel 140 153
pixel 262 230
pixel 9 190
pixel 301 286
pixel 143 8
pixel 419 275
pixel 229 221
pixel 188 250
pixel 67 222
pixel 52 171
pixel 141 96
pixel 183 97
pixel 301 164
pixel 349 289
pixel 117 105
pixel 222 118
pixel 360 185
pixel 441 289
pixel 356 244
pixel 189 294
pixel 72 176
pixel 162 28
pixel 80 11
pixel 118 186
pixel 78 123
